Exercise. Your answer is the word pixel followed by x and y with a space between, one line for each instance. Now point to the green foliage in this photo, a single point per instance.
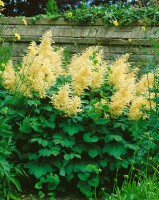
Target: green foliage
pixel 5 52
pixel 9 171
pixel 64 149
pixel 124 13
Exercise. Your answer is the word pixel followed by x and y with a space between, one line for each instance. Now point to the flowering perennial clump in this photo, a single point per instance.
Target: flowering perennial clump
pixel 64 101
pixel 39 69
pixel 143 98
pixel 123 81
pixel 42 68
pixel 87 71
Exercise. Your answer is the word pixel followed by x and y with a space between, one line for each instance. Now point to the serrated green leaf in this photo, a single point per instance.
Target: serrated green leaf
pixel 5 130
pixel 91 168
pixel 38 169
pixel 47 108
pixel 51 125
pixel 77 155
pixel 25 126
pixel 33 156
pixel 63 141
pixel 33 102
pixel 36 110
pixel 41 194
pixel 89 137
pixel 113 150
pixel 131 146
pixel 45 152
pixel 40 141
pixel 62 171
pixel 84 188
pixel 103 163
pixel 117 138
pixel 125 163
pixel 101 121
pixel 53 180
pixel 123 127
pixel 92 153
pixel 79 148
pixel 69 169
pixel 44 143
pixel 71 128
pixel 69 156
pixel 94 182
pixel 116 125
pixel 55 150
pixel 83 176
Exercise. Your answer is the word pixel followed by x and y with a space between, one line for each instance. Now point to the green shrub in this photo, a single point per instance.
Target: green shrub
pixel 51 7
pixel 73 120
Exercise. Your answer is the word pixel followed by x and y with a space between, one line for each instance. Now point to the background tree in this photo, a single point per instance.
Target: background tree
pixel 51 7
pixel 35 7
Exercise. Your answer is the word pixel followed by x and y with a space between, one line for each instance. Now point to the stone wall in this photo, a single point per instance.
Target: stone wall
pixel 77 37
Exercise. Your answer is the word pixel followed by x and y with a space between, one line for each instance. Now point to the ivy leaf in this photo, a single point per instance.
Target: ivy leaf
pixel 89 137
pixel 71 128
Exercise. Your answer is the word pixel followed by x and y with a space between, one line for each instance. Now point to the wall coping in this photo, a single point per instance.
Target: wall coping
pixel 59 21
